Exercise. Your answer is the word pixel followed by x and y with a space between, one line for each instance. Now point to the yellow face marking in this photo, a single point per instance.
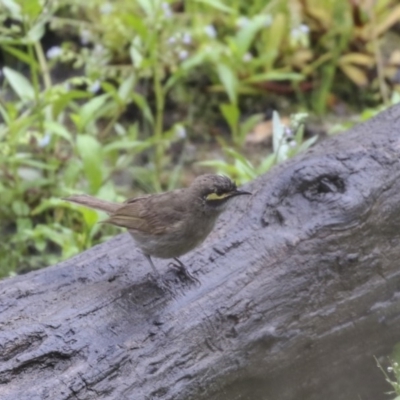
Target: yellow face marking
pixel 215 196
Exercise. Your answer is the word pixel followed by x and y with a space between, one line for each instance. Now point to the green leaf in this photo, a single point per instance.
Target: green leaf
pixel 90 151
pixel 21 86
pixel 147 7
pixel 137 23
pixel 141 102
pixel 237 156
pixel 127 145
pixel 266 164
pixel 91 109
pixel 307 143
pixel 231 114
pixel 274 76
pixel 217 5
pixel 126 88
pixel 20 208
pixel 37 31
pixel 135 54
pixel 31 8
pixel 279 143
pixel 13 8
pixel 246 35
pixel 248 125
pixel 21 55
pixel 58 129
pixel 64 100
pixel 229 81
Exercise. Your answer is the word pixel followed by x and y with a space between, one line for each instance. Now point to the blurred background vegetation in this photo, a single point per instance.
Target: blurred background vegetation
pixel 118 98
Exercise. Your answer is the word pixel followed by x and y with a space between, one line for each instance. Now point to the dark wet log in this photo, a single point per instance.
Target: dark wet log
pixel 299 290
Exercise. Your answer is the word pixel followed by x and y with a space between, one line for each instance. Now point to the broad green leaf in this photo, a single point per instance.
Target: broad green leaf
pixel 246 35
pixel 21 86
pixel 91 109
pixel 135 54
pixel 13 8
pixel 65 100
pixel 126 88
pixel 217 4
pixel 274 76
pixel 229 81
pixel 237 156
pixel 58 129
pixel 31 8
pixel 147 7
pixel 266 164
pixel 307 143
pixel 90 151
pixel 248 125
pixel 141 102
pixel 137 23
pixel 231 113
pixel 20 208
pixel 37 31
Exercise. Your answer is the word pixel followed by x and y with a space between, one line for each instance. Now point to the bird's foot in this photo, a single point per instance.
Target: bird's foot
pixel 181 269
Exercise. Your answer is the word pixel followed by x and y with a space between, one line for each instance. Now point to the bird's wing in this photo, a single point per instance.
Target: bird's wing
pixel 154 214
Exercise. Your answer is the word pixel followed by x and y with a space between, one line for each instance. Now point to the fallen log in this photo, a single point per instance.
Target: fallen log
pixel 300 288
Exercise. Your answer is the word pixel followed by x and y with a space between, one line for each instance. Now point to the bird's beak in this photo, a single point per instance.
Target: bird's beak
pixel 239 193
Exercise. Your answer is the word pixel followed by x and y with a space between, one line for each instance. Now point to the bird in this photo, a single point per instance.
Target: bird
pixel 170 224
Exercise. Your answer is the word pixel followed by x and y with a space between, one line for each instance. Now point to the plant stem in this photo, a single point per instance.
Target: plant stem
pixel 158 126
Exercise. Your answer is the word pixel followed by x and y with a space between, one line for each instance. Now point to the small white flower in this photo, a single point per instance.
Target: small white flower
pixel 94 87
pixel 183 54
pixel 180 132
pixel 242 22
pixel 53 52
pixel 187 38
pixel 304 28
pixel 292 144
pixel 167 10
pixel 171 40
pixel 86 36
pixel 288 132
pixel 44 141
pixel 106 8
pixel 390 369
pixel 247 57
pixel 268 20
pixel 299 31
pixel 210 31
pixel 295 32
pixel 99 49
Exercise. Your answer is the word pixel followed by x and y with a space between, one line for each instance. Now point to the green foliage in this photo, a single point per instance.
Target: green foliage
pixel 392 374
pixel 112 118
pixel 286 143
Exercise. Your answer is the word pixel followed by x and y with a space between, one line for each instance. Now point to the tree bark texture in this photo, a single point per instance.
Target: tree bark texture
pixel 300 289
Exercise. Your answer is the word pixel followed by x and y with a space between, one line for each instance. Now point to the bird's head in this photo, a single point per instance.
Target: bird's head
pixel 215 191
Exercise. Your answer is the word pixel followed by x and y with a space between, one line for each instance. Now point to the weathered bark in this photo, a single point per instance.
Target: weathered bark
pixel 299 290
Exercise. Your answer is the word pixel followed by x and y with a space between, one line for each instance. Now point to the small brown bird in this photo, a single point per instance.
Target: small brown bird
pixel 170 224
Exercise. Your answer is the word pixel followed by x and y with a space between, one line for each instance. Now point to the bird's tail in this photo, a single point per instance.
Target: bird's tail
pixel 92 202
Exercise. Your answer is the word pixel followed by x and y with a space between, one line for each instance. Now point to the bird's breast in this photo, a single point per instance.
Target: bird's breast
pixel 181 238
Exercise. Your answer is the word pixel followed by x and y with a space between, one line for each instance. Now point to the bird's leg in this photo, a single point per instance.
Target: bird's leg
pixel 156 273
pixel 160 281
pixel 180 266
